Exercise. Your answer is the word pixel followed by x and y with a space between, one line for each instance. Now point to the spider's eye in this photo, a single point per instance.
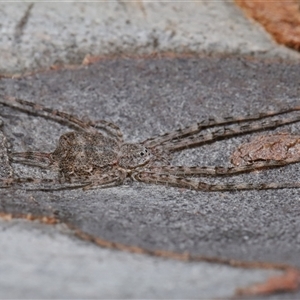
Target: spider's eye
pixel 142 154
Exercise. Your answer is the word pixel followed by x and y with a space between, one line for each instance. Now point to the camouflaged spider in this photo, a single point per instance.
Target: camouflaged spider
pixel 95 155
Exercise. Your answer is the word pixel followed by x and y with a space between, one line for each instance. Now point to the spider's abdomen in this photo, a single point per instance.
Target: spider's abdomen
pixel 81 153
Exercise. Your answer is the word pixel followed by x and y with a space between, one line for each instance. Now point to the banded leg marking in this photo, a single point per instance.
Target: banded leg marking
pixel 31 184
pixel 149 177
pixel 219 171
pixel 38 159
pixel 222 133
pixel 212 122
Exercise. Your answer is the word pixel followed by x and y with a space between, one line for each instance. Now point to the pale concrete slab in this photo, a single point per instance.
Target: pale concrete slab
pixel 41 34
pixel 41 261
pixel 46 261
pixel 146 97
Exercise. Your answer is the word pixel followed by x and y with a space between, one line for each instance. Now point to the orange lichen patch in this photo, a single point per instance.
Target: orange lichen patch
pixel 287 282
pixel 280 18
pixel 6 217
pixel 89 59
pixel 184 256
pixel 284 147
pixel 43 219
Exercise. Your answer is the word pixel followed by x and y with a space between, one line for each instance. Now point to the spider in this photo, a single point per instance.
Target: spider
pixel 95 154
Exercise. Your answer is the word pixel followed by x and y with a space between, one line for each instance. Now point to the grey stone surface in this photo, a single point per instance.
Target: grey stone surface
pixel 146 97
pixel 40 35
pixel 47 262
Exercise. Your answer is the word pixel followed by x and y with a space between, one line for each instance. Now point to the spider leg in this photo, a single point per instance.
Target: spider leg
pixel 110 128
pixel 40 110
pixel 220 171
pixel 228 131
pixel 61 117
pixel 150 177
pixel 37 159
pixel 113 178
pixel 211 122
pixel 37 184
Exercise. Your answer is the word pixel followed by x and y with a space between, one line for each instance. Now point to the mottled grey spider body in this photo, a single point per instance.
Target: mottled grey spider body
pixel 89 156
pixel 95 155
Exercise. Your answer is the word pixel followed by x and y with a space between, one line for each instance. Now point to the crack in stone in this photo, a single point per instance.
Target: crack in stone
pixel 19 29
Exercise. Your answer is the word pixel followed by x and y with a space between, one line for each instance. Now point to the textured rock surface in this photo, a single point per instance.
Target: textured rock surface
pixel 144 98
pixel 44 34
pixel 153 96
pixel 41 263
pixel 280 19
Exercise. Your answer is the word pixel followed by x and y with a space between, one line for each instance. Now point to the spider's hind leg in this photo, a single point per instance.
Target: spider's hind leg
pixel 62 117
pixel 37 159
pixel 166 179
pixel 109 127
pixel 38 184
pixel 113 178
pixel 42 111
pixel 220 171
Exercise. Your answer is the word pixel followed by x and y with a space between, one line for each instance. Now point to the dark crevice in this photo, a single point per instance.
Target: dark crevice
pixel 19 29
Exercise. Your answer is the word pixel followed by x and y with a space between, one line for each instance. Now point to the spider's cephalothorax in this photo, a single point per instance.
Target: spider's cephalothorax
pixel 132 156
pixel 95 155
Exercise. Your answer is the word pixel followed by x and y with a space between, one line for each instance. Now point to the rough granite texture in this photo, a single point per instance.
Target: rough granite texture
pixel 100 272
pixel 146 97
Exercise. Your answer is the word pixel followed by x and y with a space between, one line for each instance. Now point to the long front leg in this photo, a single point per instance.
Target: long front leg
pixel 219 171
pixel 166 179
pixel 225 132
pixel 213 122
